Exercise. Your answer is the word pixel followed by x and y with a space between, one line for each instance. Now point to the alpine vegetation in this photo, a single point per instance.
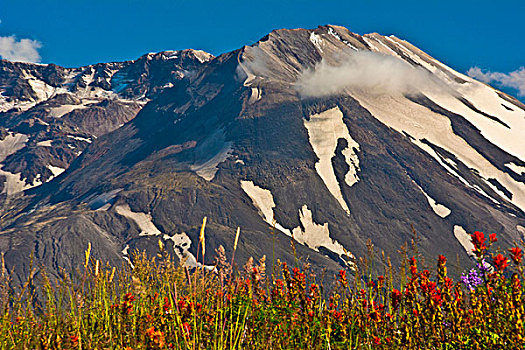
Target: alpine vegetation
pixel 162 305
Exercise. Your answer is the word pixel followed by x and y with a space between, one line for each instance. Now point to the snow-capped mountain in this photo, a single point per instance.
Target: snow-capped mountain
pixel 322 136
pixel 50 114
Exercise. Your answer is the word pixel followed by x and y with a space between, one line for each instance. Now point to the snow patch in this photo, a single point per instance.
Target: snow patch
pixel 125 253
pixel 181 246
pixel 143 221
pixel 485 99
pixel 315 235
pixel 383 48
pixel 255 95
pixel 55 170
pixel 79 138
pixel 311 234
pixel 13 183
pixel 324 130
pixel 446 163
pixel 58 112
pixel 41 89
pixel 464 239
pixel 105 207
pixel 263 200
pixel 405 116
pixel 170 55
pixel 6 105
pixel 439 209
pixel 416 58
pixel 496 189
pixel 317 41
pixel 119 81
pixel 179 240
pixel 202 56
pixel 46 143
pixel 243 69
pixel 208 169
pixel 333 33
pixel 370 44
pixel 520 170
pixel 12 143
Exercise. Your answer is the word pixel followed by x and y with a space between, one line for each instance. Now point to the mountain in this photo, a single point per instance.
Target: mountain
pixel 325 135
pixel 53 113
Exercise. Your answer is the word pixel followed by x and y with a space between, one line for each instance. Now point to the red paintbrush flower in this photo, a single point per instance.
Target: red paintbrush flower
pixel 442 260
pixel 380 281
pixel 129 297
pixel 437 298
pixel 413 265
pixel 186 328
pixel 167 304
pixel 396 298
pixel 500 262
pixel 516 284
pixel 157 337
pixel 492 238
pixel 74 340
pixel 342 277
pixel 478 240
pixel 516 254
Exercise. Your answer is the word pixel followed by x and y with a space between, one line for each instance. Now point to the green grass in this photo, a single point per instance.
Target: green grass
pixel 162 305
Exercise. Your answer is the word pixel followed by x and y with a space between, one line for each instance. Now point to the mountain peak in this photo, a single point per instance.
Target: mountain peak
pixel 323 136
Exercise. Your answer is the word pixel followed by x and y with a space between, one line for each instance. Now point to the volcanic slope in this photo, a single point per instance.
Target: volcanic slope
pixel 324 136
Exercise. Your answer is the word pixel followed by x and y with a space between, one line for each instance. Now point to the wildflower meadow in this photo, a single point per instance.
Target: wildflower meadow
pixel 160 304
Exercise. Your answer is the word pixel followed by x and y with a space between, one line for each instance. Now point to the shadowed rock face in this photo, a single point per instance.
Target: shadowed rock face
pixel 240 139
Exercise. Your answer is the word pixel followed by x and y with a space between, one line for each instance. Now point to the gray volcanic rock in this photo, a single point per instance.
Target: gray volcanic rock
pixel 61 110
pixel 322 137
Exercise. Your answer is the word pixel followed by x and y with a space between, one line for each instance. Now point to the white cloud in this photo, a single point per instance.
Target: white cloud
pixel 372 71
pixel 515 80
pixel 23 50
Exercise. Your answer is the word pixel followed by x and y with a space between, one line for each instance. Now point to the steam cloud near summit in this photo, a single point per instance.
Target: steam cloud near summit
pixel 364 70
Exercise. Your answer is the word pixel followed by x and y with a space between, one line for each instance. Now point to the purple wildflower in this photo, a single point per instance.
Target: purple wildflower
pixel 485 267
pixel 471 280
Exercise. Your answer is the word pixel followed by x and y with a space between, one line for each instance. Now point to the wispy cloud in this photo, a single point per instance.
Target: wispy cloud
pixel 23 50
pixel 371 71
pixel 515 80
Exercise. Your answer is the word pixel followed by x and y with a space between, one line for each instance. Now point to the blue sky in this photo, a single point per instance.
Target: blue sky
pixel 463 34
